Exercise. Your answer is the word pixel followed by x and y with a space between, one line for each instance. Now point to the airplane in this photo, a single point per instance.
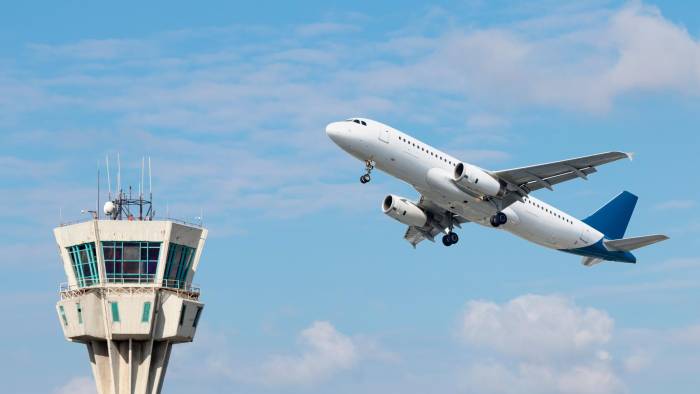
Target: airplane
pixel 453 192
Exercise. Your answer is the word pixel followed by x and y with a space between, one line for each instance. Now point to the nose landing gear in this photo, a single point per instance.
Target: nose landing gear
pixel 499 219
pixel 369 166
pixel 450 238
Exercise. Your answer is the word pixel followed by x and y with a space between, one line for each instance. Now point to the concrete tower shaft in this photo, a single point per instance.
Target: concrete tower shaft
pixel 129 297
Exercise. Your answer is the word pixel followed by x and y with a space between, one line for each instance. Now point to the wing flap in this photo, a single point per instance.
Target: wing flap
pixel 415 235
pixel 440 220
pixel 536 185
pixel 547 174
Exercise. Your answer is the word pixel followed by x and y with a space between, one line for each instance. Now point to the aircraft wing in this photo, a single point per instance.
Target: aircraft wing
pixel 439 220
pixel 531 178
pixel 415 235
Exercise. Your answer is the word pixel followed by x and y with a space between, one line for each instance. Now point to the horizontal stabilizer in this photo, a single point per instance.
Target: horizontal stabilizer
pixel 590 261
pixel 627 244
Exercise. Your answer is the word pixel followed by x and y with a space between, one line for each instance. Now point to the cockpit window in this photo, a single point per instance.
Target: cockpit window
pixel 358 121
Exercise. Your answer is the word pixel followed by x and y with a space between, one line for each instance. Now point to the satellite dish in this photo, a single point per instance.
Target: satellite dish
pixel 108 208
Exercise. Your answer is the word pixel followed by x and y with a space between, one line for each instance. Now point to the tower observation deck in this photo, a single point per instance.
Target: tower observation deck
pixel 129 296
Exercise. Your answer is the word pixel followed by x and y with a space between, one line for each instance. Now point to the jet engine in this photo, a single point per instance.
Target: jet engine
pixel 404 211
pixel 477 180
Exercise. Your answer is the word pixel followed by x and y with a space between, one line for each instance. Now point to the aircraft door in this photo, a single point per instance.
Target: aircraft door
pixel 586 237
pixel 384 135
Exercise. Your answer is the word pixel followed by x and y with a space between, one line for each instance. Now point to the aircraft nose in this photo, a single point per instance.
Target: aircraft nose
pixel 335 131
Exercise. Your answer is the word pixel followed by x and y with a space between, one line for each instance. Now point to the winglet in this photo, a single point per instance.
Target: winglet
pixel 630 155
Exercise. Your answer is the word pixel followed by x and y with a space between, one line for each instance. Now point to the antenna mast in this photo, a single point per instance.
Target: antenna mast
pixel 109 182
pixel 141 191
pixel 150 187
pixel 124 205
pixel 119 175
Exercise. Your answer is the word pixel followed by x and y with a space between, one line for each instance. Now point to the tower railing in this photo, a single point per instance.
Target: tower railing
pixel 191 291
pixel 155 218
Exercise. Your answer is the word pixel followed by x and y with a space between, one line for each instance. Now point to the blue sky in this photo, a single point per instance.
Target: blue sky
pixel 308 287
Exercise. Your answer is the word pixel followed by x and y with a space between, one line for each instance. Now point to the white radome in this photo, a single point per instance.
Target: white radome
pixel 108 208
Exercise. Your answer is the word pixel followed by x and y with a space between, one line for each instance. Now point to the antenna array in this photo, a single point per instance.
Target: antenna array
pixel 124 205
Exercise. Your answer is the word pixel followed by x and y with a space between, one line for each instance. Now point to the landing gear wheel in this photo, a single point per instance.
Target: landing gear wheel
pixel 454 238
pixel 502 218
pixel 499 219
pixel 369 166
pixel 450 239
pixel 446 240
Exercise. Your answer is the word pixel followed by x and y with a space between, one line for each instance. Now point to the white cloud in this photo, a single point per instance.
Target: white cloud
pixel 487 121
pixel 78 385
pixel 97 49
pixel 680 263
pixel 538 344
pixel 535 327
pixel 325 28
pixel 688 335
pixel 581 61
pixel 246 117
pixel 674 205
pixel 480 155
pixel 323 353
pixel 326 352
pixel 637 361
pixel 653 52
pixel 542 379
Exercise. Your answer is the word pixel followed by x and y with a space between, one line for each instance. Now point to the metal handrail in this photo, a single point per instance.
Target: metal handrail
pixel 181 221
pixel 165 284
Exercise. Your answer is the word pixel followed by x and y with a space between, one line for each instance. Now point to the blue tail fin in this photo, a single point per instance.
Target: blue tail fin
pixel 613 217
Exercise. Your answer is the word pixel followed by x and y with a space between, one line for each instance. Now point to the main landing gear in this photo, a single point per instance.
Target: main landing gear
pixel 369 166
pixel 499 219
pixel 450 238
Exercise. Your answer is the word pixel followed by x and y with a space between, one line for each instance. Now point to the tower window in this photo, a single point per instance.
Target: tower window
pixel 80 313
pixel 130 262
pixel 63 315
pixel 178 265
pixel 196 317
pixel 115 311
pixel 146 314
pixel 182 314
pixel 84 264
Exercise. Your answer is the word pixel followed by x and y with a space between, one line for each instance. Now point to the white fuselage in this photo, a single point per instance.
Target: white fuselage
pixel 410 160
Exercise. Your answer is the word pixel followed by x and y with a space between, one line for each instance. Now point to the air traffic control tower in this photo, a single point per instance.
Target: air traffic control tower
pixel 129 296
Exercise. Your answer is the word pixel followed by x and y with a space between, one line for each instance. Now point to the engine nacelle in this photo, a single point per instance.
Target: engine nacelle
pixel 513 218
pixel 477 180
pixel 404 211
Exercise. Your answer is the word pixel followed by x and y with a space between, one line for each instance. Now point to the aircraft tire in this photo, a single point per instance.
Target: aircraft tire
pixel 454 238
pixel 446 240
pixel 501 218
